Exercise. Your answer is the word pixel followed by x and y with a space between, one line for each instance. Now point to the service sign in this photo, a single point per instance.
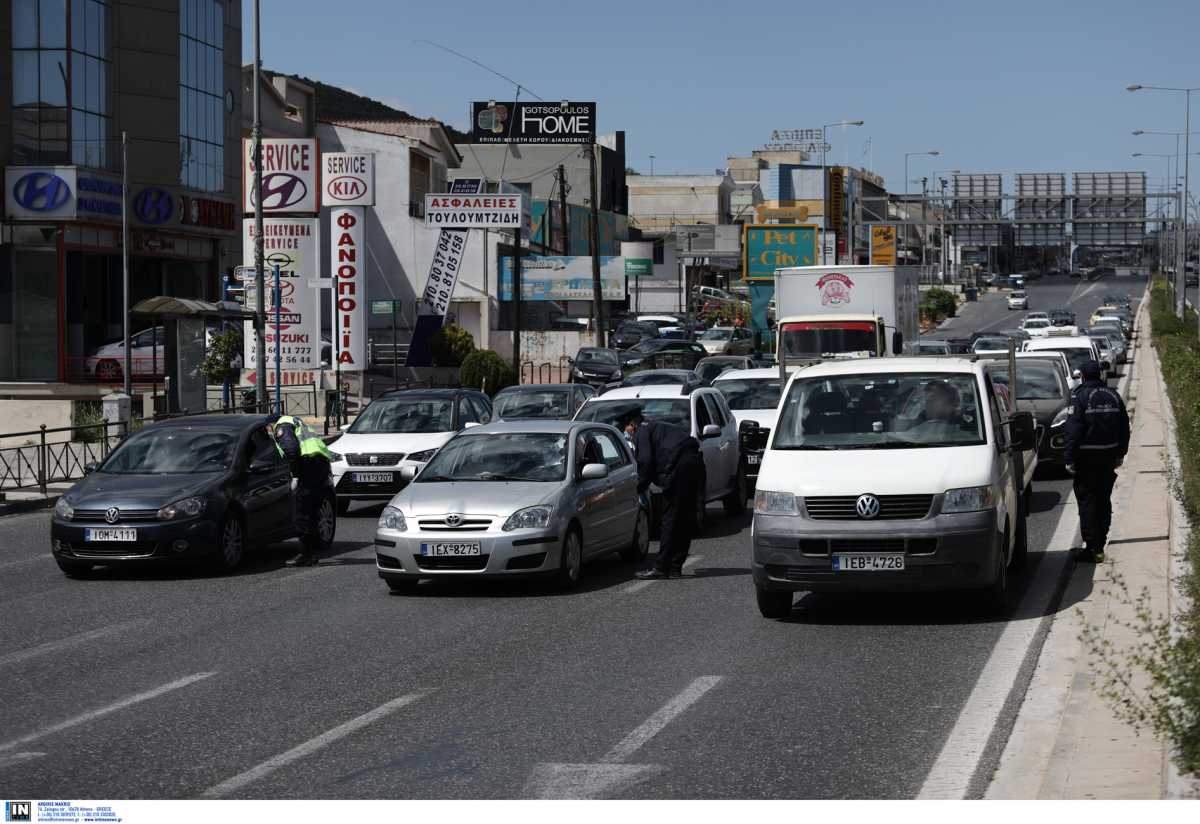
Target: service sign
pixel 347 253
pixel 453 211
pixel 291 176
pixel 290 243
pixel 533 122
pixel 348 178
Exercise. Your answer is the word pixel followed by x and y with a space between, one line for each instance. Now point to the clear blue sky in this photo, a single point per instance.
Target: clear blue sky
pixel 1001 86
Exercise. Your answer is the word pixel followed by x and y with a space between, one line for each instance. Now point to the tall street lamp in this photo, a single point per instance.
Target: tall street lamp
pixel 942 250
pixel 1181 273
pixel 824 193
pixel 1166 187
pixel 651 165
pixel 907 155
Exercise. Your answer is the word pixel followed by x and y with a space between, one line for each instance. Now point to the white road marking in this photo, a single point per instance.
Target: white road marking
pixel 69 641
pixel 951 775
pixel 18 758
pixel 638 586
pixel 653 725
pixel 309 747
pixel 102 711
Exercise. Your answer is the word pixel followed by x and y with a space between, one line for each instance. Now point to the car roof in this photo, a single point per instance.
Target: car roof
pixel 723 359
pixel 1069 342
pixel 651 390
pixel 551 426
pixel 393 394
pixel 536 387
pixel 859 366
pixel 675 373
pixel 236 423
pixel 658 317
pixel 759 373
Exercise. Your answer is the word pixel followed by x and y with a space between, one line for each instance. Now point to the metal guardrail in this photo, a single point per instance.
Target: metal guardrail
pixel 299 400
pixel 547 372
pixel 50 458
pixel 385 354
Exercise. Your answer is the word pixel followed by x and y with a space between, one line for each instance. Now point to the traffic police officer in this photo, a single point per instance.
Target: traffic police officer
pixel 668 457
pixel 1097 440
pixel 309 459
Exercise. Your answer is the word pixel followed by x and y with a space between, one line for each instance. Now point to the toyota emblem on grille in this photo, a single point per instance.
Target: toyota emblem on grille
pixel 453 520
pixel 112 514
pixel 867 507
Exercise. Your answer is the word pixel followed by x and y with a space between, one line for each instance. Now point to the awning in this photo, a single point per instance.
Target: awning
pixel 169 307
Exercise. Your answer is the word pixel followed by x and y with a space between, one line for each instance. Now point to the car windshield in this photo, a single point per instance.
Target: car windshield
pixel 990 343
pixel 669 410
pixel 1036 324
pixel 605 356
pixel 750 393
pixel 507 456
pixel 1076 356
pixel 548 403
pixel 809 339
pixel 173 449
pixel 398 416
pixel 637 329
pixel 661 323
pixel 717 334
pixel 885 411
pixel 1018 294
pixel 1035 381
pixel 933 347
pixel 650 345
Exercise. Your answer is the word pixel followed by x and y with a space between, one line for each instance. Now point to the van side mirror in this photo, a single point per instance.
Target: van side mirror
pixel 897 342
pixel 1023 431
pixel 711 431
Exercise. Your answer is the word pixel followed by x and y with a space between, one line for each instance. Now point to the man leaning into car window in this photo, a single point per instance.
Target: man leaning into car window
pixel 308 457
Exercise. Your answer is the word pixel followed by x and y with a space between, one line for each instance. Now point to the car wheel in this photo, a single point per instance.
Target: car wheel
pixel 402 586
pixel 326 523
pixel 108 370
pixel 75 569
pixel 735 501
pixel 773 603
pixel 233 543
pixel 995 595
pixel 640 546
pixel 570 567
pixel 343 506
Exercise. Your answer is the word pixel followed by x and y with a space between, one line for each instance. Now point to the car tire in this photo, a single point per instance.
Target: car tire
pixel 343 506
pixel 402 586
pixel 640 546
pixel 231 547
pixel 773 603
pixel 75 569
pixel 327 522
pixel 570 565
pixel 108 370
pixel 994 602
pixel 735 501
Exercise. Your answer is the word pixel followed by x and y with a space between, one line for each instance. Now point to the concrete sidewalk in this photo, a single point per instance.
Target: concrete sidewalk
pixel 1066 742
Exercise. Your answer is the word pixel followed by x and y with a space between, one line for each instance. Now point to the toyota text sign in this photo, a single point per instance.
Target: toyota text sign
pixel 533 122
pixel 291 181
pixel 452 211
pixel 348 178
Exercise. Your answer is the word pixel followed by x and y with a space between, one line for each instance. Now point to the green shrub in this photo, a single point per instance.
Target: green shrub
pixel 218 360
pixel 88 413
pixel 451 345
pixel 939 304
pixel 484 369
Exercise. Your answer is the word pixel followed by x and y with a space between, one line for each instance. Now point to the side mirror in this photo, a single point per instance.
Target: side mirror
pixel 594 472
pixel 470 424
pixel 1077 375
pixel 1023 430
pixel 710 431
pixel 897 342
pixel 1105 365
pixel 344 427
pixel 90 467
pixel 747 427
pixel 407 473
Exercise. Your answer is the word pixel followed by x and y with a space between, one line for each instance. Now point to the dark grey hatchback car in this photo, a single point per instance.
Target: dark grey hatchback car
pixel 202 488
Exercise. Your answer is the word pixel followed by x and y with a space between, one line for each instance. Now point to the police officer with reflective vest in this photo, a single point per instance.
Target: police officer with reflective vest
pixel 309 459
pixel 1097 440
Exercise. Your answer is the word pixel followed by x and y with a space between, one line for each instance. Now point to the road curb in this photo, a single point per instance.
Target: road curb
pixel 21 507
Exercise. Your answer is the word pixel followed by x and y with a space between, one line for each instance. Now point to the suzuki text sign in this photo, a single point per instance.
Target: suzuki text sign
pixel 533 122
pixel 454 211
pixel 348 178
pixel 290 243
pixel 291 176
pixel 766 248
pixel 346 253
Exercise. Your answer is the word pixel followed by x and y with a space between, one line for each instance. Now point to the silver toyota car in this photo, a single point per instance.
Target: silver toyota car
pixel 515 498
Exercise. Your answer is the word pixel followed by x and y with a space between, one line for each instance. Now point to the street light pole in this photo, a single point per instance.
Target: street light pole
pixel 907 155
pixel 824 183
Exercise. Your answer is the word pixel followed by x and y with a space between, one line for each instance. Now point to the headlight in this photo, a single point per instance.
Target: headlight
pixel 187 508
pixel 578 373
pixel 393 519
pixel 1061 417
pixel 422 457
pixel 636 362
pixel 64 510
pixel 335 457
pixel 533 517
pixel 968 499
pixel 774 503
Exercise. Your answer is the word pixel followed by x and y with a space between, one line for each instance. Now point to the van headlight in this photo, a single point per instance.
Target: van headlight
pixel 187 508
pixel 393 519
pixel 968 499
pixel 532 517
pixel 64 510
pixel 774 503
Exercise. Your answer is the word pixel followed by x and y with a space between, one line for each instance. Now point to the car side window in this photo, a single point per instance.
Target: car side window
pixel 613 452
pixel 466 412
pixel 703 418
pixel 714 411
pixel 262 450
pixel 481 409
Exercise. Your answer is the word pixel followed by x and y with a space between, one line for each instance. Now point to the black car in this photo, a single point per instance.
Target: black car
pixel 663 377
pixel 544 401
pixel 1041 390
pixel 662 353
pixel 202 488
pixel 596 366
pixel 1061 317
pixel 711 367
pixel 631 333
pixel 959 346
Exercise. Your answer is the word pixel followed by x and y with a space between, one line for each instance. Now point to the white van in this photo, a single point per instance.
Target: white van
pixel 891 474
pixel 1079 350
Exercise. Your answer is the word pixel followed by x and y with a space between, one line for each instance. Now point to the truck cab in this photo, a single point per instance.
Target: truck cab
pixel 810 338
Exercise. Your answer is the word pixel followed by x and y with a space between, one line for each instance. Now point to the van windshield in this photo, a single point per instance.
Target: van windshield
pixel 885 411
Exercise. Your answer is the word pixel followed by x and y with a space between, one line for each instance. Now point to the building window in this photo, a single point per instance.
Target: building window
pixel 91 117
pixel 201 99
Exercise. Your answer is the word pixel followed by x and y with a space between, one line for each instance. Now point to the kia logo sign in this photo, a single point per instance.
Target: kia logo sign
pixel 346 188
pixel 41 192
pixel 154 206
pixel 281 190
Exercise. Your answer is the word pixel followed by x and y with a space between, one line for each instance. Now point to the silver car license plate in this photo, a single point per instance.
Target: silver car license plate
pixel 868 562
pixel 451 549
pixel 106 534
pixel 372 477
pixel 752 460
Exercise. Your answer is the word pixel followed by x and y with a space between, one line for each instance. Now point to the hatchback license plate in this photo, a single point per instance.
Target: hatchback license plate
pixel 372 477
pixel 862 562
pixel 127 535
pixel 752 460
pixel 451 549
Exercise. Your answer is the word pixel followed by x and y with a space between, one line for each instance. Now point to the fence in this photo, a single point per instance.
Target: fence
pixel 547 372
pixel 299 400
pixel 55 455
pixel 380 353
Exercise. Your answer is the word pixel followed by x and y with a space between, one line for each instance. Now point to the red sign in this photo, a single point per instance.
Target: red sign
pixel 835 289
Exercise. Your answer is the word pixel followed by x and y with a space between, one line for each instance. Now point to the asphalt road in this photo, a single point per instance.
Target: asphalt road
pixel 317 683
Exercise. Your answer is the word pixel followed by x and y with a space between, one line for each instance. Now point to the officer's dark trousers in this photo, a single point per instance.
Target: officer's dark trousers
pixel 679 514
pixel 310 491
pixel 1094 479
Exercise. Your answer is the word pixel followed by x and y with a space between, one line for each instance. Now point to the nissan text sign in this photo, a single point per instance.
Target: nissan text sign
pixel 532 122
pixel 291 180
pixel 348 178
pixel 451 211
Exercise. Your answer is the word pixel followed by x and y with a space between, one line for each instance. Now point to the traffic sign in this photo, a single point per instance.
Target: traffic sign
pixel 381 307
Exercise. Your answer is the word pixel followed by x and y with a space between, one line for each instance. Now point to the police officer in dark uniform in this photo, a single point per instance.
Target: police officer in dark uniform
pixel 1097 440
pixel 668 457
pixel 309 459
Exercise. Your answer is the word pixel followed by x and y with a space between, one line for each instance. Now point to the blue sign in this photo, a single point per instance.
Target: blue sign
pixel 153 206
pixel 41 192
pixel 98 196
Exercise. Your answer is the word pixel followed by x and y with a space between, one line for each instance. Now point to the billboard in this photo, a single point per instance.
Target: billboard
pixel 1040 214
pixel 532 122
pixel 291 175
pixel 883 245
pixel 766 248
pixel 977 198
pixel 347 253
pixel 563 278
pixel 348 178
pixel 290 243
pixel 1110 208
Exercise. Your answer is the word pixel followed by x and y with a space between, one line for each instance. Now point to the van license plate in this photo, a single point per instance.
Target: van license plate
pixel 752 460
pixel 372 477
pixel 451 549
pixel 102 534
pixel 863 562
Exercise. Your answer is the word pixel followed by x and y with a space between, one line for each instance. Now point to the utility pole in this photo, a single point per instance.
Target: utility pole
pixel 127 378
pixel 594 242
pixel 562 203
pixel 517 289
pixel 260 317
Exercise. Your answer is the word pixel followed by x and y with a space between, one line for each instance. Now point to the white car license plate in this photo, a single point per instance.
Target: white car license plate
pixel 451 549
pixel 752 460
pixel 372 477
pixel 868 562
pixel 110 534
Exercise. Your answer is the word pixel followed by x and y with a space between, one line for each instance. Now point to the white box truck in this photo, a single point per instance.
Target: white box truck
pixel 828 312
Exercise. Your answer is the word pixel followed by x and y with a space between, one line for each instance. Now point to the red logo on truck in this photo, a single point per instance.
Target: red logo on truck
pixel 835 289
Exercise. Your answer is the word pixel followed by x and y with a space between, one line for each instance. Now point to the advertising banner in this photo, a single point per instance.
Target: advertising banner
pixel 883 245
pixel 348 178
pixel 639 259
pixel 532 122
pixel 292 244
pixel 837 200
pixel 766 248
pixel 291 176
pixel 563 278
pixel 452 211
pixel 347 254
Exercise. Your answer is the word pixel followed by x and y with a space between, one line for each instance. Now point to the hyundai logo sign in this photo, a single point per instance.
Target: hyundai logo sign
pixel 41 192
pixel 154 206
pixel 281 190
